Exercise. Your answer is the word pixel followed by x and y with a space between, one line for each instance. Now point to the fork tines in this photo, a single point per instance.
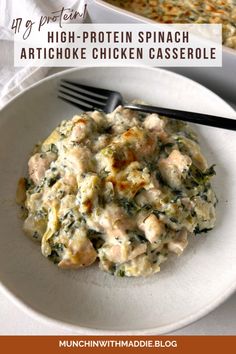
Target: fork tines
pixel 83 96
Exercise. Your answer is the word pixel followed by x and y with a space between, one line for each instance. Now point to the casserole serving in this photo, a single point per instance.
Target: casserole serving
pixel 195 11
pixel 126 188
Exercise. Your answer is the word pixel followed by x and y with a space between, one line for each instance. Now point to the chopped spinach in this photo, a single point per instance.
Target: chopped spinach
pixel 53 149
pixel 146 207
pixel 54 257
pixel 151 165
pixel 174 220
pixel 59 247
pixel 96 238
pixel 176 196
pixel 137 237
pixel 68 226
pixel 36 235
pixel 28 183
pixel 197 230
pixel 120 273
pixel 108 129
pixel 160 179
pixel 41 213
pixel 201 177
pixel 129 206
pixel 52 180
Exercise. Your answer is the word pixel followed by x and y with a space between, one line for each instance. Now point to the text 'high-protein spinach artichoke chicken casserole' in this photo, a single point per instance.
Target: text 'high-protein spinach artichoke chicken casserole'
pixel 125 188
pixel 187 11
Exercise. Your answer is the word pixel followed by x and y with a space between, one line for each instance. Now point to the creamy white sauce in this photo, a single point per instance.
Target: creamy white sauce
pixel 124 189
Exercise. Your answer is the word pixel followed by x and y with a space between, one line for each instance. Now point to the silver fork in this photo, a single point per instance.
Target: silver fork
pixel 89 98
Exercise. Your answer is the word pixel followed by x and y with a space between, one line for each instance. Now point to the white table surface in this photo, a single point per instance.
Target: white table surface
pixel 14 321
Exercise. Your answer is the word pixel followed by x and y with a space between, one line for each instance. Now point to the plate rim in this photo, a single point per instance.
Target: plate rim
pixel 81 330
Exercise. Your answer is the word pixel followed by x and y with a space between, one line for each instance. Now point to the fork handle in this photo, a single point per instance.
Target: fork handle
pixel 204 119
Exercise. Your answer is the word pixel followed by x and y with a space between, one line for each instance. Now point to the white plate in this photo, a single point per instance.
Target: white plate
pixel 89 300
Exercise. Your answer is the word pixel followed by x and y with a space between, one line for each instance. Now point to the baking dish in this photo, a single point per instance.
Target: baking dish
pixel 221 80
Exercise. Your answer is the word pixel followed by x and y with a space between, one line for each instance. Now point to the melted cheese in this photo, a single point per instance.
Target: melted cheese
pixel 187 11
pixel 123 188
